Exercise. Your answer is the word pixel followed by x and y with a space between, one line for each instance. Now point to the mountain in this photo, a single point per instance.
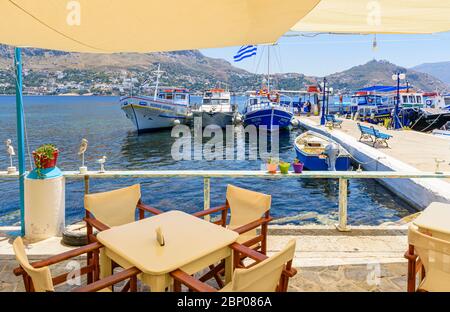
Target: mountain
pixel 439 70
pixel 55 72
pixel 380 73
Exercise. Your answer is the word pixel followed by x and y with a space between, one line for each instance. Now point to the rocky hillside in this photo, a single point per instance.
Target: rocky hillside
pixel 54 72
pixel 440 70
pixel 380 73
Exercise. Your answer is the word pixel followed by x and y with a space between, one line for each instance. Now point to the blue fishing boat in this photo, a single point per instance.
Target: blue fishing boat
pixel 263 108
pixel 320 153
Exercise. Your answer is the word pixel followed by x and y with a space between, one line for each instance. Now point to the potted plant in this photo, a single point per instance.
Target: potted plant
pixel 272 164
pixel 298 166
pixel 45 156
pixel 284 167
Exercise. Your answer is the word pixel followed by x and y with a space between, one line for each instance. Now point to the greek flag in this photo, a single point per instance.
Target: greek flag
pixel 245 52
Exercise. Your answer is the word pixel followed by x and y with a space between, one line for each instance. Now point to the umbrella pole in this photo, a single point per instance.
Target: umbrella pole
pixel 20 134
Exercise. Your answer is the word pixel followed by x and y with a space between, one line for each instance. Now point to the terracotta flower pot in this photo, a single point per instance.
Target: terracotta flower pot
pixel 272 168
pixel 298 167
pixel 43 162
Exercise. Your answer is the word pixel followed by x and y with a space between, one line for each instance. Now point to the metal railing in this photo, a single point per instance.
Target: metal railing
pixel 342 177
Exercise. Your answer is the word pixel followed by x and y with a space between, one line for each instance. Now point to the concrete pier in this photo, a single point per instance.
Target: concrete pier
pixel 408 151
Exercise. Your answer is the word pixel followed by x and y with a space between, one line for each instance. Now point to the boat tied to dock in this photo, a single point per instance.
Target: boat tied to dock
pixel 318 152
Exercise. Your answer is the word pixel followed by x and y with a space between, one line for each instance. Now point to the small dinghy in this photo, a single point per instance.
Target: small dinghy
pixel 320 153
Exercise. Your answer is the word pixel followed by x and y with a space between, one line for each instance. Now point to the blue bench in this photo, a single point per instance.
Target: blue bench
pixel 332 119
pixel 374 135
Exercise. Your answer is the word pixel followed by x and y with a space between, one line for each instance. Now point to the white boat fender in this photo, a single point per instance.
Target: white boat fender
pixel 332 152
pixel 237 118
pixel 176 122
pixel 294 122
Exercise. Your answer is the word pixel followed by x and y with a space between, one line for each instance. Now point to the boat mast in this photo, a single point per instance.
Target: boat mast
pixel 158 73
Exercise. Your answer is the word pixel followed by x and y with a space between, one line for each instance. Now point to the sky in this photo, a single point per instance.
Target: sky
pixel 325 54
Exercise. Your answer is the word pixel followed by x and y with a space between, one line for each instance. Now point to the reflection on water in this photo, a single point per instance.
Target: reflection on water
pixel 65 120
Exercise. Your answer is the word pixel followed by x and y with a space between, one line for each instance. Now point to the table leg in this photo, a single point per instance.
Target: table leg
pixel 228 268
pixel 105 264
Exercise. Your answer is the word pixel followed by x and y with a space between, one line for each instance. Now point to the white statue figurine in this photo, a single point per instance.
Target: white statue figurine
pixel 11 152
pixel 81 151
pixel 102 161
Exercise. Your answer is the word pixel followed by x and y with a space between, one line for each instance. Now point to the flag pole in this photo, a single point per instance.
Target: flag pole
pixel 20 135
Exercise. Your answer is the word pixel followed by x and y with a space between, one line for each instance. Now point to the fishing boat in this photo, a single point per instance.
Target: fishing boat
pixel 371 106
pixel 166 108
pixel 263 108
pixel 419 115
pixel 216 109
pixel 320 153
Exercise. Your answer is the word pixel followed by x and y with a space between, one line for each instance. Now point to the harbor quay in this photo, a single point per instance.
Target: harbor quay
pixel 406 151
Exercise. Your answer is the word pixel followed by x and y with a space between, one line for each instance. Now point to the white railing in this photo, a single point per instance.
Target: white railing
pixel 342 176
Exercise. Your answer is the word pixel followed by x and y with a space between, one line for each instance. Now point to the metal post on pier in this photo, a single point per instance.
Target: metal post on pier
pixel 20 135
pixel 206 195
pixel 342 226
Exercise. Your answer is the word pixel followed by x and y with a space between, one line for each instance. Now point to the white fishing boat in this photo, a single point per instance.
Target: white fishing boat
pixel 166 108
pixel 216 109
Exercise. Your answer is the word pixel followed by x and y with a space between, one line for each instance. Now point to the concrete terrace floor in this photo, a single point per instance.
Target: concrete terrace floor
pixel 406 145
pixel 365 259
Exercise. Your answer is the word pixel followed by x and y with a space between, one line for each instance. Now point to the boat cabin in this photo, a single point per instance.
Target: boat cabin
pixel 408 99
pixel 216 97
pixel 180 95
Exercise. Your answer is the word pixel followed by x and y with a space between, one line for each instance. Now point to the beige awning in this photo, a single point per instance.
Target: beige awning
pixel 377 16
pixel 106 26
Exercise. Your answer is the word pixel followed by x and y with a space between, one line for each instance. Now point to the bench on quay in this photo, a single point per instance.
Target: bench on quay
pixel 374 135
pixel 332 120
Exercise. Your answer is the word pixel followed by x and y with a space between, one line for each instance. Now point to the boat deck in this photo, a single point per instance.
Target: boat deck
pixel 411 147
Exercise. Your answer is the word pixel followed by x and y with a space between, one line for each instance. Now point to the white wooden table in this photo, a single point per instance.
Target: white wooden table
pixel 435 221
pixel 191 244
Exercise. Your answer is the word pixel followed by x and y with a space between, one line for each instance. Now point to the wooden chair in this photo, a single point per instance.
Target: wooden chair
pixel 249 210
pixel 108 209
pixel 430 258
pixel 265 275
pixel 37 277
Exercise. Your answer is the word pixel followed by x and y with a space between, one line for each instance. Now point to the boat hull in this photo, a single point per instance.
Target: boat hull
pixel 314 163
pixel 272 118
pixel 428 122
pixel 221 119
pixel 148 115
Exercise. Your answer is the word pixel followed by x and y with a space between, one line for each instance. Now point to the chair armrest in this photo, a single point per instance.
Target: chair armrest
pixel 251 253
pixel 209 211
pixel 412 257
pixel 109 281
pixel 290 273
pixel 252 225
pixel 61 257
pixel 191 282
pixel 147 208
pixel 96 224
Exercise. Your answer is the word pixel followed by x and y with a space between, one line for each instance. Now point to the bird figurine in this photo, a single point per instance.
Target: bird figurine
pixel 81 151
pixel 11 152
pixel 102 161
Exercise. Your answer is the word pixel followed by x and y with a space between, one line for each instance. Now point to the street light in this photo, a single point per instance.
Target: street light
pixel 398 77
pixel 322 117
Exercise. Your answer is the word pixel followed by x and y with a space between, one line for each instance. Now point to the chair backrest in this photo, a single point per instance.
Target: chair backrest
pixel 41 277
pixel 265 276
pixel 246 206
pixel 435 256
pixel 116 207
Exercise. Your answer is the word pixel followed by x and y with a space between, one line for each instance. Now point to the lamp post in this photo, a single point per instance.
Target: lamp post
pixel 397 77
pixel 329 92
pixel 324 85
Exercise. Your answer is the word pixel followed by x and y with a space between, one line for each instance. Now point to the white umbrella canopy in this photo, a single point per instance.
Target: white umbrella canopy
pixel 107 26
pixel 377 16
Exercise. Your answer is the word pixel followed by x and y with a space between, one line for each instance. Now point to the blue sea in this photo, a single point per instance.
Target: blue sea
pixel 64 121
